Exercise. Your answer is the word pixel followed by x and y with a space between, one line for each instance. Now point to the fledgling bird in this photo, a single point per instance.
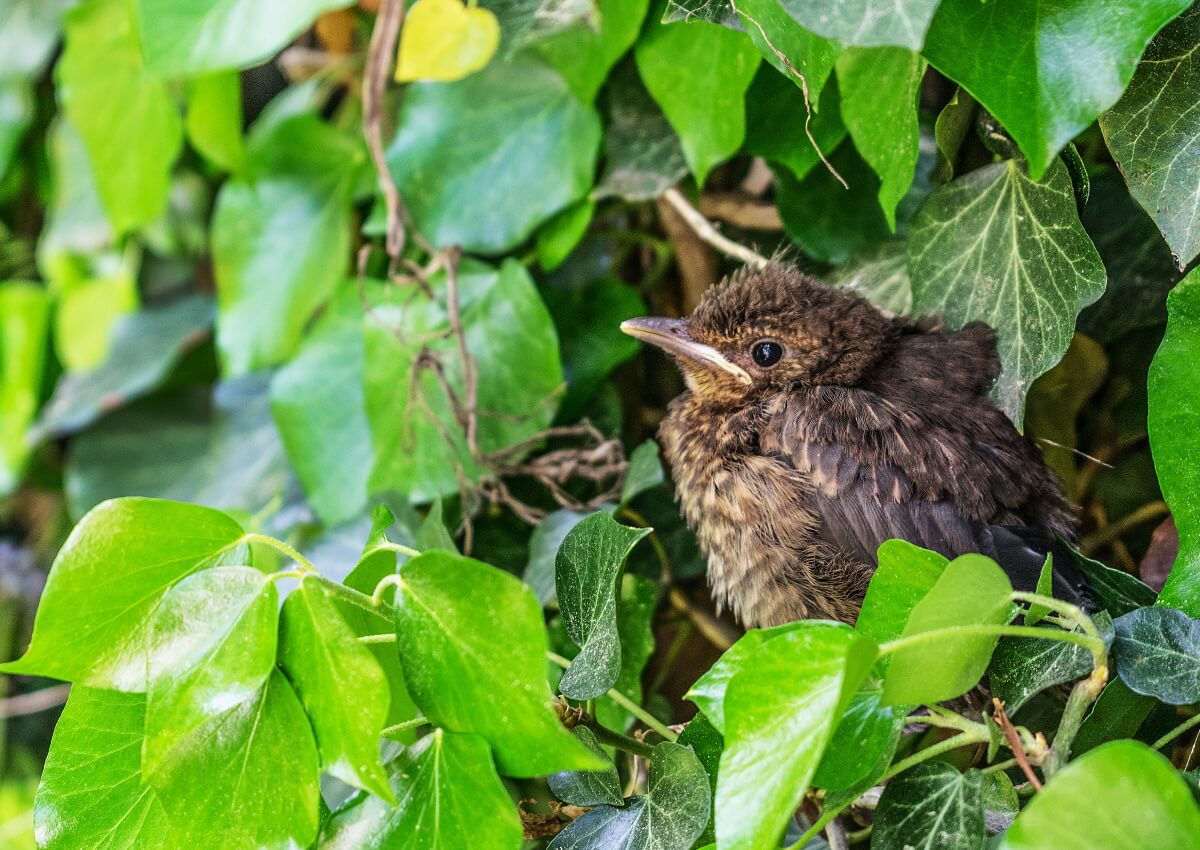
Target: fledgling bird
pixel 814 427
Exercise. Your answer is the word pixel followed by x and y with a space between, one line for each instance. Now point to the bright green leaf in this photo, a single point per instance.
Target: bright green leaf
pixel 586 571
pixel 905 575
pixel 93 624
pixel 585 54
pixel 799 54
pixel 340 684
pixel 971 591
pixel 1115 797
pixel 1157 653
pixel 214 120
pixel 87 312
pixel 781 709
pixel 1033 64
pixel 588 787
pixel 190 37
pixel 449 798
pixel 866 736
pixel 931 807
pixel 706 109
pixel 996 246
pixel 671 814
pixel 24 319
pixel 128 120
pixel 880 88
pixel 471 634
pixel 513 141
pixel 774 132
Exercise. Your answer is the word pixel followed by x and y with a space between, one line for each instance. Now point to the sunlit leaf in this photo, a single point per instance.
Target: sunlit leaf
pixel 445 40
pixel 24 319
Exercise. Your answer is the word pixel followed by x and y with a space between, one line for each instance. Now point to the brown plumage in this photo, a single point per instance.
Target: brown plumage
pixel 815 427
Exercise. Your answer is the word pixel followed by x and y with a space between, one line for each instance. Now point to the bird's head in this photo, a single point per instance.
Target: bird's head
pixel 763 331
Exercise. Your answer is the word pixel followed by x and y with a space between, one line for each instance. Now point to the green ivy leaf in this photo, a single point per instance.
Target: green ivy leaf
pixel 972 590
pixel 560 235
pixel 865 739
pixel 638 601
pixel 547 537
pixel 16 114
pixel 671 814
pixel 799 54
pixel 707 743
pixel 319 405
pixel 781 709
pixel 905 575
pixel 880 88
pixel 645 472
pixel 449 798
pixel 1116 591
pixel 879 273
pixel 1117 713
pixel 24 321
pixel 588 787
pixel 586 571
pixel 258 765
pixel 1022 667
pixel 280 242
pixel 191 37
pixel 127 119
pixel 447 150
pixel 1036 70
pixel 713 11
pixel 773 131
pixel 950 131
pixel 707 110
pixel 471 634
pixel 585 54
pixel 212 646
pixel 1157 653
pixel 996 246
pixel 866 23
pixel 1092 804
pixel 343 689
pixel 1152 133
pixel 1174 414
pixel 145 347
pixel 93 624
pixel 642 155
pixel 92 793
pixel 510 335
pixel 931 807
pixel 214 119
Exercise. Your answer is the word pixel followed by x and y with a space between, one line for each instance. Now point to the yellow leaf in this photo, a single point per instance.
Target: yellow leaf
pixel 444 40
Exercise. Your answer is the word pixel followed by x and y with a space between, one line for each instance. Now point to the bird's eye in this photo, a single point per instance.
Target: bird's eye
pixel 766 352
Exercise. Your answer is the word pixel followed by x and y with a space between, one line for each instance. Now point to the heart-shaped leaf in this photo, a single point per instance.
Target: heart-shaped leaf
pixel 1157 653
pixel 444 40
pixel 931 807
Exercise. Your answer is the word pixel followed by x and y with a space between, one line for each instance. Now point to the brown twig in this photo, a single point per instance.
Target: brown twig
pixel 741 210
pixel 706 231
pixel 1014 743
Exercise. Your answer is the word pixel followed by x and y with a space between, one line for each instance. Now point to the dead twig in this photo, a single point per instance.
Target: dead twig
pixel 706 231
pixel 1014 744
pixel 741 210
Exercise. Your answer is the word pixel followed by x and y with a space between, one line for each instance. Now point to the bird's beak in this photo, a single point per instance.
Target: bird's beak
pixel 672 336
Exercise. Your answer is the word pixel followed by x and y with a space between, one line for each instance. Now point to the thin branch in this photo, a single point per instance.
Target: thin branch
pixel 1014 744
pixel 1194 720
pixel 706 231
pixel 648 719
pixel 470 374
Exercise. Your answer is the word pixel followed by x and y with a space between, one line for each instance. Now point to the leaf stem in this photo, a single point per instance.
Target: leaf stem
pixel 1074 614
pixel 398 548
pixel 648 719
pixel 420 720
pixel 390 637
pixel 975 736
pixel 354 597
pixel 1094 645
pixel 1082 696
pixel 1194 720
pixel 278 546
pixel 622 742
pixel 999 766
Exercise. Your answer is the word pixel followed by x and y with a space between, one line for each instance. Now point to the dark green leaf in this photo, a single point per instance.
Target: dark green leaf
pixel 774 132
pixel 145 346
pixel 707 110
pixel 586 571
pixel 971 591
pixel 1117 796
pixel 1117 713
pixel 670 816
pixel 1036 70
pixel 588 787
pixel 543 549
pixel 950 130
pixel 867 23
pixel 24 321
pixel 642 155
pixel 471 634
pixel 189 37
pixel 127 119
pixel 511 337
pixel 450 798
pixel 319 406
pixel 16 114
pixel 880 88
pixel 931 807
pixel 1174 415
pixel 797 53
pixel 559 236
pixel 866 735
pixel 827 221
pixel 93 624
pixel 584 55
pixel 996 246
pixel 635 627
pixel 780 709
pixel 1157 653
pixel 1022 667
pixel 343 689
pixel 645 471
pixel 448 145
pixel 1152 132
pixel 707 743
pixel 1116 591
pixel 280 243
pixel 92 793
pixel 879 273
pixel 259 768
pixel 212 646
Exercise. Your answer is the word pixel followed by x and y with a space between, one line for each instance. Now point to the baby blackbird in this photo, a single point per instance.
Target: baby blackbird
pixel 815 427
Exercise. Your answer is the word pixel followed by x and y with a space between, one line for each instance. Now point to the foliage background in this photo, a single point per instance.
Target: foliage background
pixel 211 296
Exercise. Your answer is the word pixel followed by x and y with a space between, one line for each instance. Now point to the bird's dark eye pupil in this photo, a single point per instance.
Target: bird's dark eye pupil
pixel 766 353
